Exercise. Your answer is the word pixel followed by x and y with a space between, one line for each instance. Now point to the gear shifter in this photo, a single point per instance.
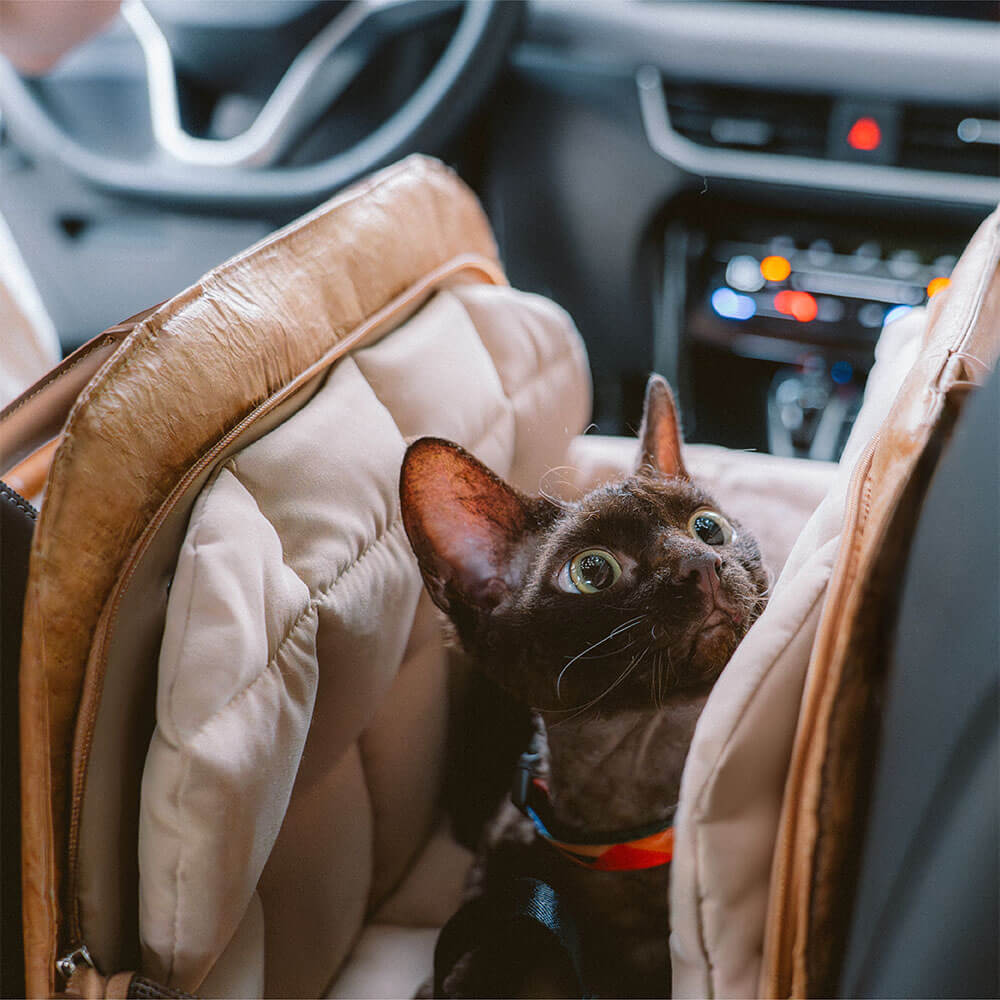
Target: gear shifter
pixel 809 412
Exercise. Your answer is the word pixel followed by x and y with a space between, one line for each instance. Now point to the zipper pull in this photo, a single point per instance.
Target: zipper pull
pixel 73 960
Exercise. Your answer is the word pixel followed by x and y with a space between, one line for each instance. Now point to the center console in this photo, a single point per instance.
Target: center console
pixel 768 320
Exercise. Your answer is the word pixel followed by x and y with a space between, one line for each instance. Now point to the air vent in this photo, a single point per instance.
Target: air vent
pixel 932 139
pixel 740 118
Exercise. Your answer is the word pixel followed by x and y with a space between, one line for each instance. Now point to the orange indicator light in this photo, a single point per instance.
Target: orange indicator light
pixel 799 305
pixel 937 285
pixel 865 134
pixel 775 268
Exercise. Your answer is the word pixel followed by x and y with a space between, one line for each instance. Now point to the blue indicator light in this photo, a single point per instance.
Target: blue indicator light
pixel 897 312
pixel 729 305
pixel 841 372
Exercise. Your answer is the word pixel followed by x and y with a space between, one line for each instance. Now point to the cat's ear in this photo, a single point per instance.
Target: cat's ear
pixel 464 524
pixel 660 433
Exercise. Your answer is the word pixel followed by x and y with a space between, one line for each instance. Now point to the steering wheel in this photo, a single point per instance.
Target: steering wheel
pixel 241 174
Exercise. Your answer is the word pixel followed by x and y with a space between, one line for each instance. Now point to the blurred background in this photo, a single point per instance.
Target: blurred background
pixel 739 195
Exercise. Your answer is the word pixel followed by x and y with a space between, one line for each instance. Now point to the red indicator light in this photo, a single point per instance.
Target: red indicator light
pixel 799 305
pixel 865 134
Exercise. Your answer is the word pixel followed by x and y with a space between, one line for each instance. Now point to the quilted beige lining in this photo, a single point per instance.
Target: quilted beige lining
pixel 342 544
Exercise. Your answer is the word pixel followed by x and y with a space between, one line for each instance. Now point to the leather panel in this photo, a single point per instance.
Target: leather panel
pixel 215 352
pixel 38 414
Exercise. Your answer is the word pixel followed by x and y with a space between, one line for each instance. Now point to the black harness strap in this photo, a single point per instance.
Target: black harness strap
pixel 525 913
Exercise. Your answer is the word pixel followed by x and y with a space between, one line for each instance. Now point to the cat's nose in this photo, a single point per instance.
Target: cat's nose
pixel 704 568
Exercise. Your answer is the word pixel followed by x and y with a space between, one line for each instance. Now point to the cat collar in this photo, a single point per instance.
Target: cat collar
pixel 624 850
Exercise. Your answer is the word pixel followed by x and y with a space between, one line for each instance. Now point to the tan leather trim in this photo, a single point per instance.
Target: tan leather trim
pixel 118 984
pixel 89 984
pixel 86 984
pixel 38 414
pixel 230 343
pixel 28 476
pixel 806 915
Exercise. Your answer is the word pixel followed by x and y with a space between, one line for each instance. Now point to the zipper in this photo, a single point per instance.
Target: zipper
pixel 75 959
pixel 436 280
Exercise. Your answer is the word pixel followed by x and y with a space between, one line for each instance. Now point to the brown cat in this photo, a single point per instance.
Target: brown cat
pixel 610 618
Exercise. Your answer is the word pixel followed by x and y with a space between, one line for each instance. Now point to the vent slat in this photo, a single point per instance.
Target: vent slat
pixel 797 125
pixel 930 141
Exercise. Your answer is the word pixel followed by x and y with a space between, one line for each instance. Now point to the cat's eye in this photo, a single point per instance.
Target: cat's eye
pixel 710 527
pixel 589 572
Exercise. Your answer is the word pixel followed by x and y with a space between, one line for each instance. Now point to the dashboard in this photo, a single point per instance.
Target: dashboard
pixel 736 194
pixel 740 195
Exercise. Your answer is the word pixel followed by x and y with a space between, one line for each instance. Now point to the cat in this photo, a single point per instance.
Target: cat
pixel 610 618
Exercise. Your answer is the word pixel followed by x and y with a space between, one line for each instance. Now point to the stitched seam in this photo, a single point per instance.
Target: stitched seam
pixel 314 602
pixel 15 498
pixel 55 377
pixel 187 622
pixel 974 306
pixel 233 468
pixel 272 660
pixel 175 928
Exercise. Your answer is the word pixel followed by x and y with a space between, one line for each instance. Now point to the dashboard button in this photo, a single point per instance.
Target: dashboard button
pixel 820 253
pixel 904 264
pixel 866 256
pixel 871 314
pixel 864 131
pixel 743 273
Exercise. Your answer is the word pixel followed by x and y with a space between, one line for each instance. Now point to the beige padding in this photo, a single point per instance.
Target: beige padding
pixel 388 962
pixel 302 695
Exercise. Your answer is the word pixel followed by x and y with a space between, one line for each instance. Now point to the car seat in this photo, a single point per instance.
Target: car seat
pixel 234 698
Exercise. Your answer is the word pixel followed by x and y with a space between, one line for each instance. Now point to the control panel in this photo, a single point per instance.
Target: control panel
pixel 776 318
pixel 768 298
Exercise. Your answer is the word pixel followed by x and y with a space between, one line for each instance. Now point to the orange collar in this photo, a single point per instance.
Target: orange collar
pixel 630 850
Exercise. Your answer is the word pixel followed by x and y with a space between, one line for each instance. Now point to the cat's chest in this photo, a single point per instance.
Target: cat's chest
pixel 626 917
pixel 622 916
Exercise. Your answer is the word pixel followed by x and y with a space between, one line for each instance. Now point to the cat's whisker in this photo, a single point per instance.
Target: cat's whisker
pixel 600 642
pixel 579 710
pixel 654 676
pixel 543 485
pixel 563 505
pixel 613 652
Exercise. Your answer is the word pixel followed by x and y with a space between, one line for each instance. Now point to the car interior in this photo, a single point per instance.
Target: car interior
pixel 779 206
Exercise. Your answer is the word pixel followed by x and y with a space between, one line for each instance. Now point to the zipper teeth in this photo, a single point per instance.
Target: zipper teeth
pixel 82 743
pixel 76 957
